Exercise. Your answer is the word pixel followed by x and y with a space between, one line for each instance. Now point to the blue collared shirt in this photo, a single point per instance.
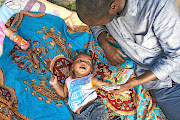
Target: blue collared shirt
pixel 149 32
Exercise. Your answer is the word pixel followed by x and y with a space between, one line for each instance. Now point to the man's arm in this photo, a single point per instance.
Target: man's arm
pixel 132 82
pixel 166 27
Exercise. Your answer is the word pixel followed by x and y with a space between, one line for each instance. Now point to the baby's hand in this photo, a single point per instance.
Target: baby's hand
pixel 109 86
pixel 53 81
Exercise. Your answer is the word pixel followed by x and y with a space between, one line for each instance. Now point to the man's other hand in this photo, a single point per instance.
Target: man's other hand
pixel 113 54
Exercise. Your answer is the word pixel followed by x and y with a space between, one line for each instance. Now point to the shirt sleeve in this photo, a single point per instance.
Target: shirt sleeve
pixel 97 30
pixel 167 29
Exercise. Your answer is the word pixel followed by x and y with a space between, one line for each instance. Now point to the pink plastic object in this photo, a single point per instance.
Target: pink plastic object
pixel 2 35
pixel 23 44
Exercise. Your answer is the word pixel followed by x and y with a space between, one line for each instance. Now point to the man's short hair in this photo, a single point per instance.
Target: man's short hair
pixel 93 8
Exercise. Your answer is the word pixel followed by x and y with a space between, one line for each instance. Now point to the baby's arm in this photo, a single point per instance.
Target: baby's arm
pixel 98 83
pixel 61 90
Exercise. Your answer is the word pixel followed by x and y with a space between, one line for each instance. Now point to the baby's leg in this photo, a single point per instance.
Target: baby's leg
pixel 93 111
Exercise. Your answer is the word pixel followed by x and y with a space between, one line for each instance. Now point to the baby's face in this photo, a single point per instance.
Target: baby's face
pixel 82 65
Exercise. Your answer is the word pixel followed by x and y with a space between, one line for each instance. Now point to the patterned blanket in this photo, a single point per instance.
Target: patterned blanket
pixel 24 89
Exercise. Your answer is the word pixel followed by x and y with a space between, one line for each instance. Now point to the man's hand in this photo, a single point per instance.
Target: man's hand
pixel 128 85
pixel 113 54
pixel 132 82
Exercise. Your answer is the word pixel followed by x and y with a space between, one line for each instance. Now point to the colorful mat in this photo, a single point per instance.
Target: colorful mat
pixel 25 92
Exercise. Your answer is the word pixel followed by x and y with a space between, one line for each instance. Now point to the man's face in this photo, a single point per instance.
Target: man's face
pixel 95 22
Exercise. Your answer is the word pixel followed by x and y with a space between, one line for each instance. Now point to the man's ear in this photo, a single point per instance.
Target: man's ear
pixel 113 8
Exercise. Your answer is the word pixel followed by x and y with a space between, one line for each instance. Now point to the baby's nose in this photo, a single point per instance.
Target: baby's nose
pixel 83 62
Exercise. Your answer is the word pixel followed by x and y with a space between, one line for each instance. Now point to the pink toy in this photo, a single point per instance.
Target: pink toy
pixel 2 35
pixel 23 44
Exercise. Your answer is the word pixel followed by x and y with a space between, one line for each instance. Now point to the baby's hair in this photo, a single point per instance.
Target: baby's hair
pixel 93 8
pixel 80 54
pixel 86 54
pixel 71 70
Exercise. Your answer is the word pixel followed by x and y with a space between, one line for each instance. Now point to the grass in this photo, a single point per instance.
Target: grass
pixel 1 2
pixel 71 7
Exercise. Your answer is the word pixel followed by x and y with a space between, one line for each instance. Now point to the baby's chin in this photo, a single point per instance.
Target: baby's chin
pixel 82 75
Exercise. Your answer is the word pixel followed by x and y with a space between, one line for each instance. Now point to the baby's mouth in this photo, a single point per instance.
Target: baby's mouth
pixel 83 68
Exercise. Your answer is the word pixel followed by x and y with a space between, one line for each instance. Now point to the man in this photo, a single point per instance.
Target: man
pixel 149 32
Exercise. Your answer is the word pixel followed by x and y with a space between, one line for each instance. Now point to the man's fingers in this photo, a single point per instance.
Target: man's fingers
pixel 128 92
pixel 118 87
pixel 120 52
pixel 116 91
pixel 121 89
pixel 116 60
pixel 121 60
pixel 114 55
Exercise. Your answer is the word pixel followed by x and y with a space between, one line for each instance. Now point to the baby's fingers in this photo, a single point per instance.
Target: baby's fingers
pixel 51 79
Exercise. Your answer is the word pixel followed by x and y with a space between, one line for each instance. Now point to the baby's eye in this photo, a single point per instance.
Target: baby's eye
pixel 88 62
pixel 79 60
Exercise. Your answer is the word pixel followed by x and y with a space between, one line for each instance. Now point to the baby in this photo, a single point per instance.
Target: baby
pixel 80 88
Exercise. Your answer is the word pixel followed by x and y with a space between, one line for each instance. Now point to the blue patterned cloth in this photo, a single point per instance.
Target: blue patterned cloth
pixel 28 71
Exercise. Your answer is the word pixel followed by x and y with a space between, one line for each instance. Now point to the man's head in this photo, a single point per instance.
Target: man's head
pixel 98 12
